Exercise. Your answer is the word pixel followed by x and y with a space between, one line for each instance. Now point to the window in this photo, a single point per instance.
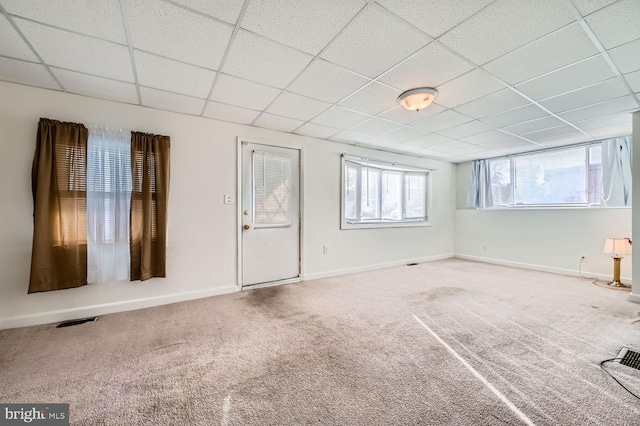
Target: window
pixel 566 177
pixel 378 194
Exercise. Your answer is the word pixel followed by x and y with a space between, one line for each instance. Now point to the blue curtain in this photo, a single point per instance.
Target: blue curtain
pixel 479 195
pixel 616 172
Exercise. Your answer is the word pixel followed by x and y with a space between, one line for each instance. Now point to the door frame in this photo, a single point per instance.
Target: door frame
pixel 239 219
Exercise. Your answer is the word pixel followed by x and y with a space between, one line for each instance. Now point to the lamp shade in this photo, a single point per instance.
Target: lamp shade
pixel 616 246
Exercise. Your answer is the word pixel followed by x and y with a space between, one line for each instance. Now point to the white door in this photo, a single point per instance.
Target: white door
pixel 270 214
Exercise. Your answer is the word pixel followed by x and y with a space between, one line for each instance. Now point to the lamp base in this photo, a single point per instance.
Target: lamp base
pixel 618 284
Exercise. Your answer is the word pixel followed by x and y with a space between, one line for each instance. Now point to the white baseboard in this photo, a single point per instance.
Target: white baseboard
pixel 110 308
pixel 543 268
pixel 634 297
pixel 335 272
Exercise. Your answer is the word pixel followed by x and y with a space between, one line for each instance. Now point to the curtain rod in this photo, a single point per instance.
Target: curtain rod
pixel 391 163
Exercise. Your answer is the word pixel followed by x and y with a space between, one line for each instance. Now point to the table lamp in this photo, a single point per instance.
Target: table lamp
pixel 617 246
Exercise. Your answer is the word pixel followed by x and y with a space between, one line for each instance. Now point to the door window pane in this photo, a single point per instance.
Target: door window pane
pixel 271 189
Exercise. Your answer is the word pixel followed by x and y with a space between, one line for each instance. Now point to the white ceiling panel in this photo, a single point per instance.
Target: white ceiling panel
pixel 78 53
pixel 243 93
pixel 450 145
pixel 427 141
pixel 434 17
pixel 492 104
pixel 170 101
pixel 441 121
pixel 171 31
pixel 316 130
pixel 296 106
pixel 467 150
pixel 161 73
pixel 492 135
pixel 616 24
pixel 468 87
pixel 634 81
pixel 327 82
pixel 351 137
pixel 505 25
pixel 623 104
pixel 467 129
pixel 510 142
pixel 96 87
pixel 227 10
pixel 11 44
pixel 563 47
pixel 265 61
pixel 230 113
pixel 431 66
pixel 599 92
pixel 366 47
pixel 604 121
pixel 516 115
pixel 307 25
pixel 98 18
pixel 554 132
pixel 340 118
pixel 402 134
pixel 373 99
pixel 573 77
pixel 534 125
pixel 375 127
pixel 26 73
pixel 626 57
pixel 401 115
pixel 586 7
pixel 563 140
pixel 611 131
pixel 276 122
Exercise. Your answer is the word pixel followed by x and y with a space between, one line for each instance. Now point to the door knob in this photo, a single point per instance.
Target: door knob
pixel 247 227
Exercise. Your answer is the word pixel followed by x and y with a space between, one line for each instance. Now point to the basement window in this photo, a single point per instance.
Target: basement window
pixel 377 194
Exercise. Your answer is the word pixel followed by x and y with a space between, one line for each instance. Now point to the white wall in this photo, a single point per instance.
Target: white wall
pixel 635 293
pixel 545 239
pixel 201 258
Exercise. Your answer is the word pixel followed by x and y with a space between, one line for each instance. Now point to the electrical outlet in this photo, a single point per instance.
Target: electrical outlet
pixel 325 249
pixel 484 247
pixel 228 199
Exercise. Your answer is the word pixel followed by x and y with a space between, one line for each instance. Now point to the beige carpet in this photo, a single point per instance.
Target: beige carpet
pixel 447 342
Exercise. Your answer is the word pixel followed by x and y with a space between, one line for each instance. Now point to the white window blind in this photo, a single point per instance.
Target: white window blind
pixel 271 189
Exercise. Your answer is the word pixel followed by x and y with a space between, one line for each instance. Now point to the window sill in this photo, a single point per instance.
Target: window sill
pixel 374 225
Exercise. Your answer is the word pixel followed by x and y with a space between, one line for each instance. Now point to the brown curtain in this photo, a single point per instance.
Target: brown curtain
pixel 58 180
pixel 150 168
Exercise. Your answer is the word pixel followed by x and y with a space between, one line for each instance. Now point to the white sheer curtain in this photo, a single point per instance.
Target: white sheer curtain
pixel 616 172
pixel 480 196
pixel 108 201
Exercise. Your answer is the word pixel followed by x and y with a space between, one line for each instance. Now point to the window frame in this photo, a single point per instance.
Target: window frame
pixel 383 166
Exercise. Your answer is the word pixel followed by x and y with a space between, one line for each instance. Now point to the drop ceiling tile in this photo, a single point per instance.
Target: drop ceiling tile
pixel 427 141
pixel 102 19
pixel 379 143
pixel 372 99
pixel 586 7
pixel 168 30
pixel 450 145
pixel 634 81
pixel 561 48
pixel 611 131
pixel 534 125
pixel 402 134
pixel 467 129
pixel 564 140
pixel 97 87
pixel 308 25
pixel 492 104
pixel 590 95
pixel 442 121
pixel 430 67
pixel 626 57
pixel 340 118
pixel 605 121
pixel 275 122
pixel 26 73
pixel 434 17
pixel 554 132
pixel 246 94
pixel 401 115
pixel 626 103
pixel 469 149
pixel 11 44
pixel 365 46
pixel 351 137
pixel 327 82
pixel 296 106
pixel 375 127
pixel 490 136
pixel 170 101
pixel 504 26
pixel 517 115
pixel 573 77
pixel 316 130
pixel 230 113
pixel 161 73
pixel 616 24
pixel 265 61
pixel 468 87
pixel 227 10
pixel 78 53
pixel 511 142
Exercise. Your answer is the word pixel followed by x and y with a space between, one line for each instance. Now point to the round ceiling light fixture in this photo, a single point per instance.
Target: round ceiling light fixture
pixel 417 99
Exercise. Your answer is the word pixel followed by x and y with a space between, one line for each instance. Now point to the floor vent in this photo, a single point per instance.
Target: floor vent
pixel 629 358
pixel 76 322
pixel 411 264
